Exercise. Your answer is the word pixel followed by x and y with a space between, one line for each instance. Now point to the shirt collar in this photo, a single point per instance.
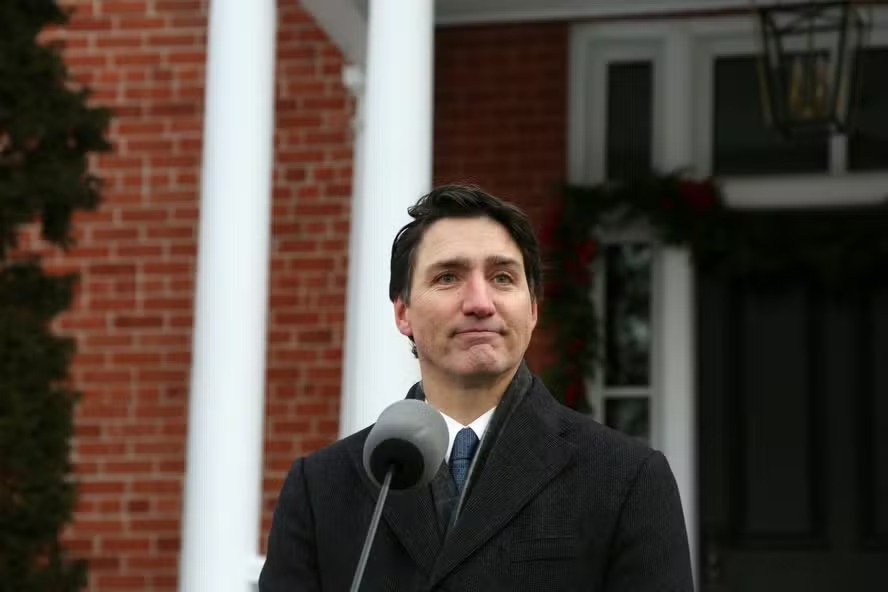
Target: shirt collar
pixel 479 426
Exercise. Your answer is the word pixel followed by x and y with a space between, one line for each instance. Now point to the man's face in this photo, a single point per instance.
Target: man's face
pixel 470 312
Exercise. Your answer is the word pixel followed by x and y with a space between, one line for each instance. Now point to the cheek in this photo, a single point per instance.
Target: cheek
pixel 422 330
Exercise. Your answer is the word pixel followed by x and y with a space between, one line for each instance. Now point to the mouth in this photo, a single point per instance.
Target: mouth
pixel 477 332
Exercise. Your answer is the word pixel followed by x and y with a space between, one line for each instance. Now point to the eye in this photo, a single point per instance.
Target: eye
pixel 502 278
pixel 446 278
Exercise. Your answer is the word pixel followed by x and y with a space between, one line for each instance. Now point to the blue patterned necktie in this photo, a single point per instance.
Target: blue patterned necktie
pixel 464 447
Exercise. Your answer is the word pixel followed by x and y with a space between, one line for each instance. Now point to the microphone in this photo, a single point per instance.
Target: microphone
pixel 403 450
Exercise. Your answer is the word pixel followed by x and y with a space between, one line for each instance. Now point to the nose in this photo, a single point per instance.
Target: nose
pixel 477 300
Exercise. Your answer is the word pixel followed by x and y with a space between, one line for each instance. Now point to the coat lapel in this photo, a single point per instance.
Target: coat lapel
pixel 410 514
pixel 526 455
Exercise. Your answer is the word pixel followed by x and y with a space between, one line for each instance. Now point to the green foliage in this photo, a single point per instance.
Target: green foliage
pixel 46 128
pixel 36 497
pixel 47 132
pixel 836 247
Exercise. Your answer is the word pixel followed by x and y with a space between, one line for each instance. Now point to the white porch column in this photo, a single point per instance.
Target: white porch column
pixel 226 409
pixel 676 347
pixel 393 164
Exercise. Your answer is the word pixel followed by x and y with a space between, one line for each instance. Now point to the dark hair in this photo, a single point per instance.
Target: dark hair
pixel 461 201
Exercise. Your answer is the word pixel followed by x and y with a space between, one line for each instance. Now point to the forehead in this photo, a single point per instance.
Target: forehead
pixel 472 239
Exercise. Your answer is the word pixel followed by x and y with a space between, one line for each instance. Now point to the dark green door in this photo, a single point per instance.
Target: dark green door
pixel 793 437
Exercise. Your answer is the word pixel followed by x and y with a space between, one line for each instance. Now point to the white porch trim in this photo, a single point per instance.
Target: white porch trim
pixel 223 476
pixel 677 406
pixel 671 52
pixel 344 23
pixel 674 149
pixel 466 12
pixel 809 191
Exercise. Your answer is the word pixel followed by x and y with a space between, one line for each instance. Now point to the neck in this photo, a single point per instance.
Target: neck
pixel 465 399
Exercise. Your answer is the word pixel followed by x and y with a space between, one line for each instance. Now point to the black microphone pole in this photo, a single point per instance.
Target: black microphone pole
pixel 404 450
pixel 371 534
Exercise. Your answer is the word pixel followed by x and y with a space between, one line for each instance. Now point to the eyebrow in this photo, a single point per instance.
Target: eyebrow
pixel 465 263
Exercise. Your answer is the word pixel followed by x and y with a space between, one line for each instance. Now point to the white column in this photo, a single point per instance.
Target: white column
pixel 677 318
pixel 677 385
pixel 393 163
pixel 354 79
pixel 223 476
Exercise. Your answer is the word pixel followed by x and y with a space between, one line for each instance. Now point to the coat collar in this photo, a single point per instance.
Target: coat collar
pixel 525 451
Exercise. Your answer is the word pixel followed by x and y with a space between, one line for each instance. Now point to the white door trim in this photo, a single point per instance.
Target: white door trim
pixel 669 49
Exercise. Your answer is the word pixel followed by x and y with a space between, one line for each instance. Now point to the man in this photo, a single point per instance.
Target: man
pixel 548 500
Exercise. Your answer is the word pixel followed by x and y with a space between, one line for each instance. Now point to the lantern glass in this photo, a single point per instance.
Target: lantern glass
pixel 809 63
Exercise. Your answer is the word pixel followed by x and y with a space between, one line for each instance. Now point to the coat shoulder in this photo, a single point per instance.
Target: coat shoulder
pixel 593 441
pixel 336 456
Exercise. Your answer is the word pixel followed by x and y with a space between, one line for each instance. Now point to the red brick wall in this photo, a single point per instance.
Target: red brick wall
pixel 501 117
pixel 136 255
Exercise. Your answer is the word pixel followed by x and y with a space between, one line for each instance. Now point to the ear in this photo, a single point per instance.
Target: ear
pixel 402 319
pixel 534 309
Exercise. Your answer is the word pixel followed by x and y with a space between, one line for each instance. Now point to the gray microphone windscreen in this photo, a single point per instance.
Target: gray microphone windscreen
pixel 411 436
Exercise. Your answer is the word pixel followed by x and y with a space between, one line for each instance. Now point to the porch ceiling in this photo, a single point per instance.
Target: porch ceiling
pixel 345 21
pixel 453 12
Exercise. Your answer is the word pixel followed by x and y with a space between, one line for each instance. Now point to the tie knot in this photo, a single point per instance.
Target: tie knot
pixel 464 445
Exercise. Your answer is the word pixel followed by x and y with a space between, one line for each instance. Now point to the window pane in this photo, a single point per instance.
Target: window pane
pixel 627 315
pixel 743 144
pixel 629 119
pixel 630 415
pixel 868 145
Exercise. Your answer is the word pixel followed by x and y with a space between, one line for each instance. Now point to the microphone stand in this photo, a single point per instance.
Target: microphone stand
pixel 374 522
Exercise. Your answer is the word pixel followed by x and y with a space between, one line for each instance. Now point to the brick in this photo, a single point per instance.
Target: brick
pixel 153 564
pixel 146 215
pixel 161 374
pixel 117 42
pixel 79 546
pixel 139 59
pixel 164 340
pixel 111 269
pixel 104 564
pixel 99 340
pixel 87 488
pixel 107 411
pixel 170 231
pixel 116 233
pixel 139 23
pixel 167 543
pixel 138 321
pixel 119 545
pixel 138 251
pixel 176 39
pixel 99 526
pixel 121 582
pixel 159 411
pixel 155 525
pixel 127 467
pixel 122 6
pixel 98 303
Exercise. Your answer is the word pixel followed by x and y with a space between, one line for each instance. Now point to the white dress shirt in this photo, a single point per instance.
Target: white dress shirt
pixel 479 426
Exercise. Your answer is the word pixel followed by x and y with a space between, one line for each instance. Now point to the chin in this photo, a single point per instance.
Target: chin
pixel 482 368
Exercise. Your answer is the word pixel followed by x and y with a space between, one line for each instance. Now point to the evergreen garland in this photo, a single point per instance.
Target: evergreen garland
pixel 836 246
pixel 47 132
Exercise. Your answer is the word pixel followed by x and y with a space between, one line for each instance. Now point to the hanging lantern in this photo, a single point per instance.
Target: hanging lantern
pixel 810 65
